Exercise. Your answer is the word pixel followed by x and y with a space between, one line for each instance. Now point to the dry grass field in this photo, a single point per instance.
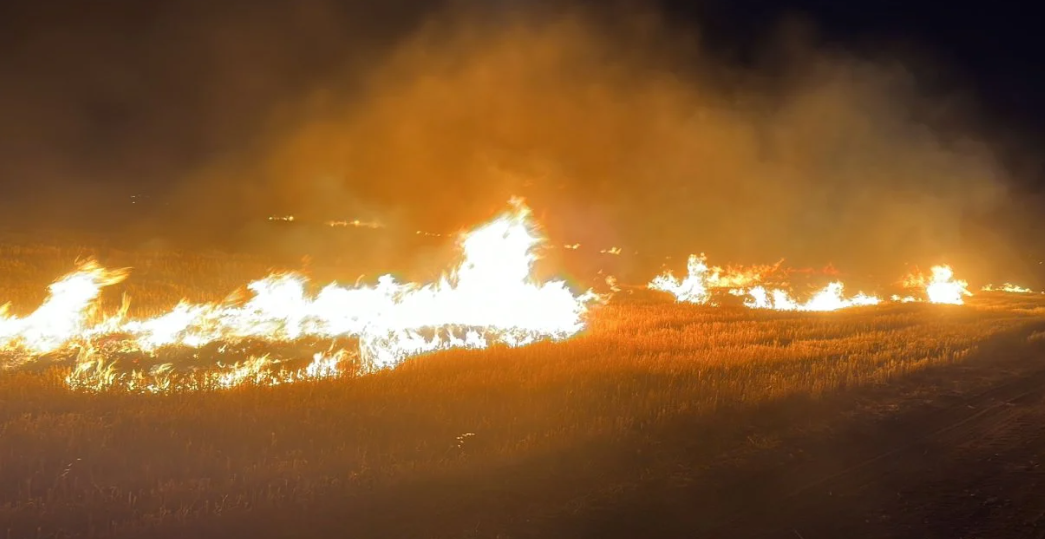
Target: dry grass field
pixel 660 420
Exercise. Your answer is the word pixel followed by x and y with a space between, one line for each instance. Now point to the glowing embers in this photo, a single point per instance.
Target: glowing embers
pixel 92 371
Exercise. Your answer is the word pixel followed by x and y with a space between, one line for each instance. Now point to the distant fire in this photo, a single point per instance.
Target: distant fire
pixel 830 298
pixel 701 280
pixel 940 286
pixel 356 223
pixel 694 288
pixel 1007 287
pixel 489 298
pixel 751 284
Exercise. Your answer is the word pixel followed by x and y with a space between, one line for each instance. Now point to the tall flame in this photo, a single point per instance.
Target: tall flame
pixel 489 298
pixel 63 315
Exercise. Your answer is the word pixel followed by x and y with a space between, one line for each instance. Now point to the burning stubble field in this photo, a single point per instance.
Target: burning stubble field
pixel 656 418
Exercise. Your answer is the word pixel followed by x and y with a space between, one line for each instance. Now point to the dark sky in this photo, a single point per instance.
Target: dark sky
pixel 816 130
pixel 990 48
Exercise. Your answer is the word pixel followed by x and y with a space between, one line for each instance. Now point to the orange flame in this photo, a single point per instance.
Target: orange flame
pixel 701 279
pixel 940 286
pixel 830 298
pixel 490 298
pixel 62 315
pixel 1009 288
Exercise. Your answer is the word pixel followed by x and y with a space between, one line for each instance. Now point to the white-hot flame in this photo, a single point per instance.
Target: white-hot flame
pixel 490 298
pixel 63 315
pixel 1008 287
pixel 940 286
pixel 830 298
pixel 694 288
pixel 701 279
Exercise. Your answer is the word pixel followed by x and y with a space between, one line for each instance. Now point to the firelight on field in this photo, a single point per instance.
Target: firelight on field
pixel 1008 288
pixel 701 279
pixel 940 286
pixel 489 298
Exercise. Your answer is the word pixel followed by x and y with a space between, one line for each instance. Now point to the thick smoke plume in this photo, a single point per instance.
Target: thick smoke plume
pixel 627 134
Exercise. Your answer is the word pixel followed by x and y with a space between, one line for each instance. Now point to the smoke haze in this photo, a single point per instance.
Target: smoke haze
pixel 619 127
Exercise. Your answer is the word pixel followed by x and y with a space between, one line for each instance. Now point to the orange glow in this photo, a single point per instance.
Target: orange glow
pixel 1009 288
pixel 701 279
pixel 489 298
pixel 830 298
pixel 940 286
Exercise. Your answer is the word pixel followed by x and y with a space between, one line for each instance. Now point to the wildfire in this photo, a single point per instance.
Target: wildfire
pixel 1008 287
pixel 691 289
pixel 702 279
pixel 63 315
pixel 490 298
pixel 355 223
pixel 93 373
pixel 830 298
pixel 940 286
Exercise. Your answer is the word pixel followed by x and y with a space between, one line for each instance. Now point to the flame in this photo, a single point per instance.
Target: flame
pixel 830 298
pixel 691 289
pixel 490 298
pixel 701 279
pixel 940 287
pixel 93 373
pixel 63 315
pixel 1008 287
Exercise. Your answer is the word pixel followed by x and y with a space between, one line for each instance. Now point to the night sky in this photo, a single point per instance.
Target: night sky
pixel 847 132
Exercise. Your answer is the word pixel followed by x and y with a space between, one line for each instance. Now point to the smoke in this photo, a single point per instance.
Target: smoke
pixel 619 133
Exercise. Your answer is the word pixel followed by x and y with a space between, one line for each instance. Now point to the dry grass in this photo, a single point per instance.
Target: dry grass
pixel 443 442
